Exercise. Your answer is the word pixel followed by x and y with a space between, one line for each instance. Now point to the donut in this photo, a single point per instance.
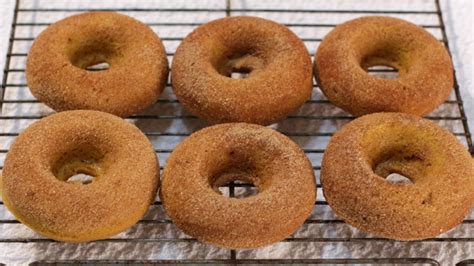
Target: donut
pixel 275 61
pixel 57 66
pixel 425 72
pixel 222 153
pixel 36 178
pixel 364 152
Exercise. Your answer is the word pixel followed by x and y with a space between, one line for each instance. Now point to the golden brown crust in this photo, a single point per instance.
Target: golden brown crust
pixel 362 153
pixel 425 70
pixel 138 65
pixel 280 80
pixel 271 161
pixel 121 158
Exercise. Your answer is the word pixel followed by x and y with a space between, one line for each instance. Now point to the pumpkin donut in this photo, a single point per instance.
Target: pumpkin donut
pixel 56 67
pixel 425 71
pixel 217 155
pixel 364 152
pixel 276 62
pixel 44 156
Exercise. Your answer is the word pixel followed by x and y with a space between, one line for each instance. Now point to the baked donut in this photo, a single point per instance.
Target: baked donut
pixel 43 157
pixel 217 155
pixel 425 72
pixel 276 62
pixel 57 64
pixel 364 152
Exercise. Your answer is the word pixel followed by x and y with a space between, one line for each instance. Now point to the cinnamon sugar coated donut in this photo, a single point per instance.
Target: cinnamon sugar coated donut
pixel 46 154
pixel 217 155
pixel 276 62
pixel 138 68
pixel 364 152
pixel 424 67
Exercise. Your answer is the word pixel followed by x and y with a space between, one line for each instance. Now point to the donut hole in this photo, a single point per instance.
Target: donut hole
pixel 94 56
pixel 400 149
pixel 383 63
pixel 241 73
pixel 81 178
pixel 241 189
pixel 399 165
pixel 381 71
pixel 98 67
pixel 239 64
pixel 242 181
pixel 396 178
pixel 236 173
pixel 82 165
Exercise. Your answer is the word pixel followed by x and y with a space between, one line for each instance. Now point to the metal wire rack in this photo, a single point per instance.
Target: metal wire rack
pixel 323 239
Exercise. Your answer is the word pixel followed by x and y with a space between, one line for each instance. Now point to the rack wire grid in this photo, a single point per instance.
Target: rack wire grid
pixel 323 238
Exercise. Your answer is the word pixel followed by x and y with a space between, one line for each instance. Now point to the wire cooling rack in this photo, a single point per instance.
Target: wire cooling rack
pixel 323 239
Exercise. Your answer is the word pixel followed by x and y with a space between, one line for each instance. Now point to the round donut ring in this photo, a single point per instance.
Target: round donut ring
pixel 425 71
pixel 46 154
pixel 278 65
pixel 364 152
pixel 217 155
pixel 56 68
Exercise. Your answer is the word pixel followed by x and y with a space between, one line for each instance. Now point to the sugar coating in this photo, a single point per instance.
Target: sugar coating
pixel 138 65
pixel 117 198
pixel 425 69
pixel 280 77
pixel 365 151
pixel 268 159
